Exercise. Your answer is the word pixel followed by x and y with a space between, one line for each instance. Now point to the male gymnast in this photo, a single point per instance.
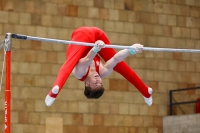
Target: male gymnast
pixel 84 62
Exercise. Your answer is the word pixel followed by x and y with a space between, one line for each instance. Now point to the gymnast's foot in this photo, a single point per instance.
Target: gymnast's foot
pixel 149 100
pixel 49 100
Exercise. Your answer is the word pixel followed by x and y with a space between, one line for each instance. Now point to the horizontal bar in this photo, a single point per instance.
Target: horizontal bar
pixel 186 102
pixel 184 89
pixel 24 37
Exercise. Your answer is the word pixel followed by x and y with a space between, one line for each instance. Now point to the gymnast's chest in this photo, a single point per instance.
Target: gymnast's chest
pixel 95 65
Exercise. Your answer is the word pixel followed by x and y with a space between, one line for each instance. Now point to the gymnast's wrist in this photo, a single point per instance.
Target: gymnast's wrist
pixel 96 50
pixel 131 51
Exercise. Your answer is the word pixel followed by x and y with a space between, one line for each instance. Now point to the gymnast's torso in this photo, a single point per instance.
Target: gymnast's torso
pixel 94 67
pixel 91 34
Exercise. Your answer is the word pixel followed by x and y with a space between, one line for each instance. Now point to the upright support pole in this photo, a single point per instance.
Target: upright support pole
pixel 7 90
pixel 170 102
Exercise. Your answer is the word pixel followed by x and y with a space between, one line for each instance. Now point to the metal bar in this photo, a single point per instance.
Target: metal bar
pixel 170 98
pixel 24 37
pixel 186 102
pixel 185 89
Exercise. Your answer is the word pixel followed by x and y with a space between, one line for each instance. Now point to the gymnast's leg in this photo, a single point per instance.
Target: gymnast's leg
pixel 73 54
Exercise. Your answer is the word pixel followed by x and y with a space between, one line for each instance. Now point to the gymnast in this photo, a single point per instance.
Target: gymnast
pixel 84 62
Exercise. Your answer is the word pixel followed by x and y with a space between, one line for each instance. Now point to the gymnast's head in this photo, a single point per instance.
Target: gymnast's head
pixel 93 86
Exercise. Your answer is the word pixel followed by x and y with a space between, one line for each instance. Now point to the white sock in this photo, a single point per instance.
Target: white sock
pixel 49 100
pixel 149 100
pixel 55 89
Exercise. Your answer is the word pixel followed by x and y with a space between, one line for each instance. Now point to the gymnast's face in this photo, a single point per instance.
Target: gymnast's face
pixel 94 80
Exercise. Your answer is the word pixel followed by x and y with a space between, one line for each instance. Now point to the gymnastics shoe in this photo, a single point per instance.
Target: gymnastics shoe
pixel 149 100
pixel 49 100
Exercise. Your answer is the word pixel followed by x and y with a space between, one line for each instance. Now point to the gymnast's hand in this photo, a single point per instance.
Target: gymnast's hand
pixel 137 48
pixel 98 46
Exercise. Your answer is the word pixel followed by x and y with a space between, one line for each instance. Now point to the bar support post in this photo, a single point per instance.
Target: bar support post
pixel 8 41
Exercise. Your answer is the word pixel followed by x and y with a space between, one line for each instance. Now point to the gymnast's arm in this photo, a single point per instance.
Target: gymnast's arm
pixel 82 65
pixel 80 69
pixel 118 57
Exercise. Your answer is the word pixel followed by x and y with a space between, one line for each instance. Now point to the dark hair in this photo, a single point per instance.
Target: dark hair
pixel 93 93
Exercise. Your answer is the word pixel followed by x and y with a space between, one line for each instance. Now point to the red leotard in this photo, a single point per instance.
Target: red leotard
pixel 75 52
pixel 96 63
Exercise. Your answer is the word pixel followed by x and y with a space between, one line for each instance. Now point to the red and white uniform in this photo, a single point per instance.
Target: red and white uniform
pixel 76 52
